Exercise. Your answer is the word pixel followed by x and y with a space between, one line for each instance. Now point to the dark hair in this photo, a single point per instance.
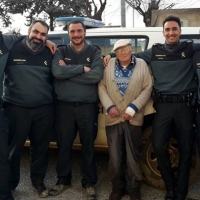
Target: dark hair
pixel 76 22
pixel 172 18
pixel 41 22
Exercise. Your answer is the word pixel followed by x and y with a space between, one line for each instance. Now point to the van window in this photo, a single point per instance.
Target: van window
pixel 106 43
pixel 59 40
pixel 194 37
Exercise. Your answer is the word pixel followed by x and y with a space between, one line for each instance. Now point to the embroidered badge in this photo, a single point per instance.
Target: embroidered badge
pixel 183 54
pixel 67 58
pixel 198 65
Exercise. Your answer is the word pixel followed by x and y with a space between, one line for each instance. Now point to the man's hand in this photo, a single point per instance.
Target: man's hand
pixel 62 62
pixel 52 46
pixel 126 116
pixel 106 60
pixel 86 69
pixel 113 112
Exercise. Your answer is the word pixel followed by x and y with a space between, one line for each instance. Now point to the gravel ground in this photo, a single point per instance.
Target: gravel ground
pixel 26 192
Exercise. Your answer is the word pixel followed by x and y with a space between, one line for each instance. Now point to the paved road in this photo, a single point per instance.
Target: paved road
pixel 25 191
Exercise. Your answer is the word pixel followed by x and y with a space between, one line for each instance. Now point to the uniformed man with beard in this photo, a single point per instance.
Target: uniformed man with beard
pixel 28 104
pixel 6 43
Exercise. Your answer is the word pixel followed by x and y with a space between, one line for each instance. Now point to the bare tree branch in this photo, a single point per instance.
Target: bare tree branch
pixel 145 7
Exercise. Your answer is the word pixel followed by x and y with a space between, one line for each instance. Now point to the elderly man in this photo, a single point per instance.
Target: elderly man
pixel 174 94
pixel 124 90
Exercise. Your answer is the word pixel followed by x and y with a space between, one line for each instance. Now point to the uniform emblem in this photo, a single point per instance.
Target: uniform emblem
pixel 88 59
pixel 1 52
pixel 183 55
pixel 45 62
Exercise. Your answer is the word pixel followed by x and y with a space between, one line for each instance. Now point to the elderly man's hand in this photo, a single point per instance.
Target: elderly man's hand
pixel 106 60
pixel 113 112
pixel 126 116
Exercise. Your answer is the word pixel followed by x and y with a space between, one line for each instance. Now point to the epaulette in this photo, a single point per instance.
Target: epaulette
pixel 157 44
pixel 97 46
pixel 61 47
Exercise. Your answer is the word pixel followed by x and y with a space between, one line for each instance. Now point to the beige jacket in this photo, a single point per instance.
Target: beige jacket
pixel 138 92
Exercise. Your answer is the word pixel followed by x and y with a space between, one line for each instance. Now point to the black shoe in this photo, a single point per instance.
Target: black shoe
pixel 42 191
pixel 135 194
pixel 116 195
pixel 179 196
pixel 169 195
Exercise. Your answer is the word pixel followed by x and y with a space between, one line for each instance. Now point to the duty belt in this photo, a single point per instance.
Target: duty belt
pixel 159 97
pixel 74 104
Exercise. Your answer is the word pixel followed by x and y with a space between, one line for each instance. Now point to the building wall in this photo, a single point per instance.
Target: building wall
pixel 189 17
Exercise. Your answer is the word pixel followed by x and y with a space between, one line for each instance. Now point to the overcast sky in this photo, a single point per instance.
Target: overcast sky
pixel 112 14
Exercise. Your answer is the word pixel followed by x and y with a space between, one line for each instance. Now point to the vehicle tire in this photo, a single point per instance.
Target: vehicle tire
pixel 149 164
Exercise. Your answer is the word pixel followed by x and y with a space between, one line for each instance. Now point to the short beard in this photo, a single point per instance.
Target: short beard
pixel 82 41
pixel 33 45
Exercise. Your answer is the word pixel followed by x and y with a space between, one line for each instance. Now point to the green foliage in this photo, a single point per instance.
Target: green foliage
pixel 51 9
pixel 4 16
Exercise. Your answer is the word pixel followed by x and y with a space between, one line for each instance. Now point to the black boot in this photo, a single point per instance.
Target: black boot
pixel 169 195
